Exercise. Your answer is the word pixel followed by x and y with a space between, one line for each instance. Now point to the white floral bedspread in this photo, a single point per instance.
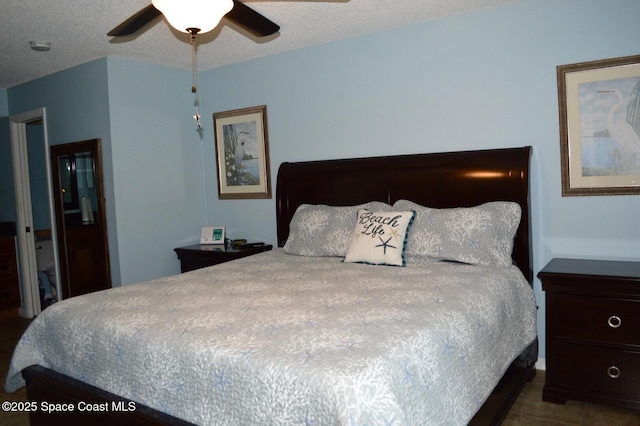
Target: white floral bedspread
pixel 277 339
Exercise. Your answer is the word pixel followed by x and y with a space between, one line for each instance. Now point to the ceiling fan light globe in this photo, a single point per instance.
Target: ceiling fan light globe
pixel 204 15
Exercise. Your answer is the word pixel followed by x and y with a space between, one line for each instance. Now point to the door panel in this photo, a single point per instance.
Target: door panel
pixel 86 260
pixel 80 217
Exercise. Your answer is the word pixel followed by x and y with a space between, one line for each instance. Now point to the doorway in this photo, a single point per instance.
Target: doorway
pixel 22 127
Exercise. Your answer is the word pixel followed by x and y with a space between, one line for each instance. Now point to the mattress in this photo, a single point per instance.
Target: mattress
pixel 282 339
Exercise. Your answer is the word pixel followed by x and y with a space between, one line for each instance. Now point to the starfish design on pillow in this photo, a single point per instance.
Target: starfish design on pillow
pixel 395 233
pixel 385 244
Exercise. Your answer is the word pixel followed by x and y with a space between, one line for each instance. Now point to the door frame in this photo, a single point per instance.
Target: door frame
pixel 28 271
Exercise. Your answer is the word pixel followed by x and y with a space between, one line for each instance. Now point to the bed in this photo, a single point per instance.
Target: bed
pixel 288 337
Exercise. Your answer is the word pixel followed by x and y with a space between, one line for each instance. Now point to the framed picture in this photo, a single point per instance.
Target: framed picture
pixel 599 105
pixel 242 153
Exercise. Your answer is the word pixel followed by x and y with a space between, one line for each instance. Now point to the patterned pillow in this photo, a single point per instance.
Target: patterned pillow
pixel 380 238
pixel 481 235
pixel 320 230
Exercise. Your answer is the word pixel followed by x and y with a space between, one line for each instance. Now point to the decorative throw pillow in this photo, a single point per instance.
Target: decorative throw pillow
pixel 379 238
pixel 481 235
pixel 321 230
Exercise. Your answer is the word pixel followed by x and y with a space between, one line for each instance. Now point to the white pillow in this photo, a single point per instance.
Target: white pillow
pixel 380 238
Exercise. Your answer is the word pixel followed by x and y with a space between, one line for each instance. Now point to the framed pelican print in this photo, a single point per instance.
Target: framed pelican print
pixel 242 153
pixel 599 108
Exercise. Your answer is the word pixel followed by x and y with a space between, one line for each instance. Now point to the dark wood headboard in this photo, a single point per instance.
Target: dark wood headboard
pixel 440 180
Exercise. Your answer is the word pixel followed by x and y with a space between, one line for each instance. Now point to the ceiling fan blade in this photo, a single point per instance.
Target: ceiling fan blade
pixel 135 22
pixel 250 20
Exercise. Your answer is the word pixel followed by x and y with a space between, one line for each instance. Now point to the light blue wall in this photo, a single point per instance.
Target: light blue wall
pixel 4 103
pixel 38 177
pixel 76 101
pixel 7 191
pixel 157 168
pixel 152 154
pixel 77 108
pixel 481 80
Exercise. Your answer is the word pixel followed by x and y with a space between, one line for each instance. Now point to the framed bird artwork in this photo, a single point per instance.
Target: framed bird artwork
pixel 242 153
pixel 599 106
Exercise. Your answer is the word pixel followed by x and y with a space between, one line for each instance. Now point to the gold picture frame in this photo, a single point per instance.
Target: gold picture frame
pixel 242 153
pixel 599 108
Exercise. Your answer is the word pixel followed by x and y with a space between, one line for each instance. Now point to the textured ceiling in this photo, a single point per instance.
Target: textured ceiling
pixel 77 31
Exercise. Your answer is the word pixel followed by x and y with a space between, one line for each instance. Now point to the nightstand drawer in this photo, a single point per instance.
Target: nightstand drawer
pixel 599 319
pixel 598 369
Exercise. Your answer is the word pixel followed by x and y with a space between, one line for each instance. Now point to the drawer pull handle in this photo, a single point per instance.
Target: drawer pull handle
pixel 613 372
pixel 614 321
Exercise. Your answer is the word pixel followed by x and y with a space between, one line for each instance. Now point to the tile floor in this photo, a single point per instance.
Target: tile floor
pixel 529 409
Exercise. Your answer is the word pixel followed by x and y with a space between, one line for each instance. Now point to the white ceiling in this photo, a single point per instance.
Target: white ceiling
pixel 77 31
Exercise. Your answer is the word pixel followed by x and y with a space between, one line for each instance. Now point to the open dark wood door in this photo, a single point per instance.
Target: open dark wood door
pixel 80 217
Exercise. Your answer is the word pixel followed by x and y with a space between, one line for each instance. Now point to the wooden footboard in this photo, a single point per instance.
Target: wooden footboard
pixel 63 400
pixel 50 387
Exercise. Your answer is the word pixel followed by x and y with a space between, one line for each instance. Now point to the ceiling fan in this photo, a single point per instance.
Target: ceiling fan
pixel 197 17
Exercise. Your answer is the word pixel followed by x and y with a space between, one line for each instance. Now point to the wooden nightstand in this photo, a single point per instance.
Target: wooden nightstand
pixel 592 331
pixel 200 255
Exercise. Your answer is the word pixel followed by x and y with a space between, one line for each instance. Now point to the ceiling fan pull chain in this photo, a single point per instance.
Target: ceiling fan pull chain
pixel 194 69
pixel 194 75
